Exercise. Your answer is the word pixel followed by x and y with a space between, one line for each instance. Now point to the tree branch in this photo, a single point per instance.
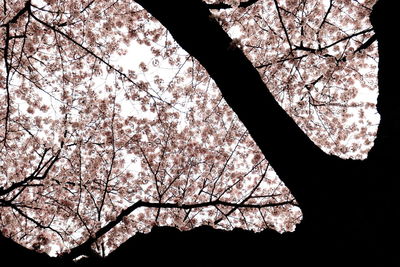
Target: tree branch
pixel 283 25
pixel 19 14
pixel 85 247
pixel 365 45
pixel 35 174
pixel 278 136
pixel 90 52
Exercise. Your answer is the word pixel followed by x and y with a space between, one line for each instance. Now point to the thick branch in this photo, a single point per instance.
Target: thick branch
pixel 85 247
pixel 18 15
pixel 34 175
pixel 283 143
pixel 367 44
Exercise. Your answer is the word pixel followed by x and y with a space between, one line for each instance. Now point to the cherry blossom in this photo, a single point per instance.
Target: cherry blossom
pixel 92 152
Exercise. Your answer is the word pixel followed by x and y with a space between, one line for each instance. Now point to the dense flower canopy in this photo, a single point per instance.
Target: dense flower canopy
pixel 92 149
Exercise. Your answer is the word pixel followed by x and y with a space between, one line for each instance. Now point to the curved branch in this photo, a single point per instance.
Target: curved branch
pixel 85 247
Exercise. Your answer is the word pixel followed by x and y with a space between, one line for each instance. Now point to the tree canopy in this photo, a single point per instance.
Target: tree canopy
pixel 93 152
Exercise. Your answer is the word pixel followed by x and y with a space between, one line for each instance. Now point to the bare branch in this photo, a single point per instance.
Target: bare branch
pixel 283 25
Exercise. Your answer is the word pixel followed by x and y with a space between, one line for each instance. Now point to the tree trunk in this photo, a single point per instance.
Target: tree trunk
pixel 345 202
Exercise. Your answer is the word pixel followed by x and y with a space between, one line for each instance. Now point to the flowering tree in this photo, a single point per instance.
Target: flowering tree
pixel 93 152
